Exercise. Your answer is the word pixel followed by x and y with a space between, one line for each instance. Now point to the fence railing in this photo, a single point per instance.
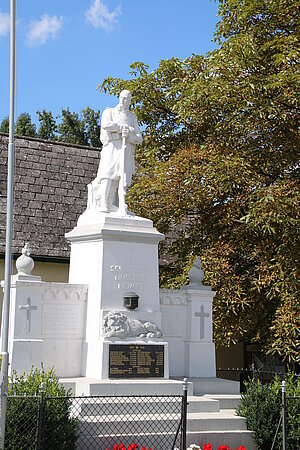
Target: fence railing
pixel 283 417
pixel 244 375
pixel 96 422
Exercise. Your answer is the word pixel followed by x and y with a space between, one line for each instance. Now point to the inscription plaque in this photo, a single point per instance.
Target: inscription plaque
pixel 136 361
pixel 62 319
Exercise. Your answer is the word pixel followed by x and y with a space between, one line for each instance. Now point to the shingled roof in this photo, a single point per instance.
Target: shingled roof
pixel 50 193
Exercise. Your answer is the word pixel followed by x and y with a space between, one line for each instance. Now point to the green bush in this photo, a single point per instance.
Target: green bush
pixel 261 406
pixel 59 428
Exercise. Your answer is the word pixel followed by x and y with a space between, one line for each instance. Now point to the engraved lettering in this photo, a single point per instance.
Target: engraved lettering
pixel 62 319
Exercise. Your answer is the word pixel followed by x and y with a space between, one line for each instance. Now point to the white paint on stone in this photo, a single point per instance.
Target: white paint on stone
pixel 47 325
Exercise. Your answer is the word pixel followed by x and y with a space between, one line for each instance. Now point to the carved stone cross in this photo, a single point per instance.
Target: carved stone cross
pixel 28 307
pixel 202 315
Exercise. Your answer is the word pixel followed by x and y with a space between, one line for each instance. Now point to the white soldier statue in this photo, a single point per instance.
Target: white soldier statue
pixel 119 135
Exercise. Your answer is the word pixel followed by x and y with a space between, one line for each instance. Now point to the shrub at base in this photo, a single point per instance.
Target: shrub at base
pixel 59 429
pixel 261 406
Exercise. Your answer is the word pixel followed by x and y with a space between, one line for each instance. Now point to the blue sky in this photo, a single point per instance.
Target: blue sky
pixel 65 48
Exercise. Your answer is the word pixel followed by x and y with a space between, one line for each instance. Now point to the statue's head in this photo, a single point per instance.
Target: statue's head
pixel 125 98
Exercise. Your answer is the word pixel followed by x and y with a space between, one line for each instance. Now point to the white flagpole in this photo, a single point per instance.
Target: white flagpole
pixel 9 221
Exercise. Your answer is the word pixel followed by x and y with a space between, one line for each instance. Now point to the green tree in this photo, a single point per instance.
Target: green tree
pixel 71 129
pixel 24 126
pixel 48 126
pixel 91 120
pixel 218 169
pixel 4 127
pixel 83 129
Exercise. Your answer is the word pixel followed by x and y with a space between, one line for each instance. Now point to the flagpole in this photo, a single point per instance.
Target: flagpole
pixel 9 228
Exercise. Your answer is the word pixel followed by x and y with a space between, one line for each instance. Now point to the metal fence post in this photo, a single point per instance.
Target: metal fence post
pixel 3 394
pixel 40 419
pixel 184 412
pixel 284 421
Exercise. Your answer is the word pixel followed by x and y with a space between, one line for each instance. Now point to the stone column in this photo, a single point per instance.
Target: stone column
pixel 199 348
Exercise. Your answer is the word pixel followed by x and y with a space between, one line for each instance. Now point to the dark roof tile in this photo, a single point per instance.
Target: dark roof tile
pixel 48 177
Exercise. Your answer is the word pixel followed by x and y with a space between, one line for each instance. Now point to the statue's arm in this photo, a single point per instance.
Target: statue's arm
pixel 135 136
pixel 107 122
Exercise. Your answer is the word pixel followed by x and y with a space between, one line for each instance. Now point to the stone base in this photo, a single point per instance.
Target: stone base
pixel 200 359
pixel 25 354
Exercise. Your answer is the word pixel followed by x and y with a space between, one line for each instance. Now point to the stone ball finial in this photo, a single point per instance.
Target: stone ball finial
pixel 196 274
pixel 25 263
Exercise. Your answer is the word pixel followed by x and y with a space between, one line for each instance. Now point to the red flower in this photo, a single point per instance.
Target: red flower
pixel 207 446
pixel 241 447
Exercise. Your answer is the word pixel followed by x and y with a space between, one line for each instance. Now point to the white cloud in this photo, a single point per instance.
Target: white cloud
pixel 42 30
pixel 4 23
pixel 99 16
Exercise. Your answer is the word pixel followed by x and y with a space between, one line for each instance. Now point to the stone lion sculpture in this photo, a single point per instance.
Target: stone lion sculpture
pixel 117 324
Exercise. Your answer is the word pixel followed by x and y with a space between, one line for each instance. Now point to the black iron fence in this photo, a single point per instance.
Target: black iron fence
pixel 244 375
pixel 283 417
pixel 69 423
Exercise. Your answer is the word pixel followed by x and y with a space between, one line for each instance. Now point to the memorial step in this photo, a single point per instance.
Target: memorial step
pixel 83 386
pixel 202 404
pixel 227 401
pixel 127 406
pixel 214 386
pixel 210 421
pixel 135 423
pixel 225 437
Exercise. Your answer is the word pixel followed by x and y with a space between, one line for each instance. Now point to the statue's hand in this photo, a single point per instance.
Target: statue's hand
pixel 125 131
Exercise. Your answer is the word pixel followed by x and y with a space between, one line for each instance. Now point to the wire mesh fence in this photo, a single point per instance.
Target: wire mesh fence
pixel 69 423
pixel 22 423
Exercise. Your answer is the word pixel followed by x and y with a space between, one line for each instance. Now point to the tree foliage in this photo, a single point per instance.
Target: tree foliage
pixel 70 127
pixel 218 169
pixel 48 127
pixel 83 129
pixel 91 120
pixel 4 127
pixel 24 126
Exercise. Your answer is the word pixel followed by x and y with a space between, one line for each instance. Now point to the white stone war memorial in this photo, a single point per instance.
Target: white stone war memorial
pixel 111 327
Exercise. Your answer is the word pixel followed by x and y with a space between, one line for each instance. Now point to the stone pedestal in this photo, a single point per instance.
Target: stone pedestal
pixel 114 255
